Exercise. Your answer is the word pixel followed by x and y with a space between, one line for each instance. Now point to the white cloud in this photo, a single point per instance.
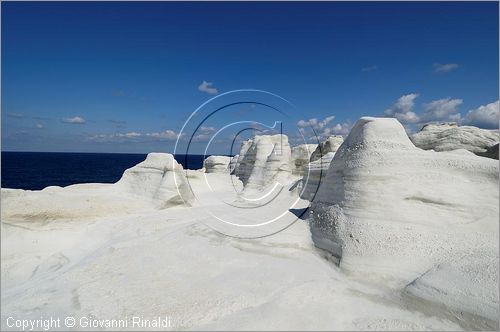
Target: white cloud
pixel 402 109
pixel 167 135
pixel 207 130
pixel 369 68
pixel 322 128
pixel 444 68
pixel 485 116
pixel 131 134
pixel 208 87
pixel 74 120
pixel 445 109
pixel 39 125
pixel 315 124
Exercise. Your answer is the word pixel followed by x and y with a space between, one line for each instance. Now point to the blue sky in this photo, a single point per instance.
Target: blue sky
pixel 124 76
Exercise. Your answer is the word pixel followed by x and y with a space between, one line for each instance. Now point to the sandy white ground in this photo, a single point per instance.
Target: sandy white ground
pixel 165 262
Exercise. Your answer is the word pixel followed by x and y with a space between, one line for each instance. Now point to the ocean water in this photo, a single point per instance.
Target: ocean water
pixel 37 170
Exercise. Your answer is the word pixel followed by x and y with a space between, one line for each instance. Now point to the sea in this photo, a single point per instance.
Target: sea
pixel 37 170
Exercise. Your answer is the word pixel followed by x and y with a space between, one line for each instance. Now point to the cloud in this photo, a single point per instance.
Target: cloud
pixel 15 115
pixel 208 87
pixel 402 109
pixel 369 68
pixel 485 116
pixel 39 125
pixel 207 130
pixel 315 124
pixel 442 110
pixel 133 136
pixel 168 135
pixel 322 128
pixel 74 120
pixel 444 68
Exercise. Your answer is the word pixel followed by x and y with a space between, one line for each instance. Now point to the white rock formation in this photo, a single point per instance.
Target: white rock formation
pixel 243 166
pixel 331 144
pixel 160 179
pixel 313 175
pixel 156 183
pixel 301 155
pixel 264 160
pixel 392 213
pixel 449 136
pixel 217 164
pixel 233 163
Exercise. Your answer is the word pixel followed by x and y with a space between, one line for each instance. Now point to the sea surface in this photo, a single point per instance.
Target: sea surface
pixel 37 170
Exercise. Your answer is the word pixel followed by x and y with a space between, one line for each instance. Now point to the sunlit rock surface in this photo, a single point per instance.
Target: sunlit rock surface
pixel 217 164
pixel 449 136
pixel 393 213
pixel 331 144
pixel 301 155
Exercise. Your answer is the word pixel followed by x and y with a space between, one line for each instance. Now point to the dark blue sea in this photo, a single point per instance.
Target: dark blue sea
pixel 37 170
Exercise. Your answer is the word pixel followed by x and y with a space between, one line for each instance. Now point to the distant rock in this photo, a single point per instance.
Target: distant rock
pixel 263 160
pixel 233 163
pixel 243 166
pixel 217 164
pixel 160 179
pixel 449 136
pixel 392 213
pixel 491 152
pixel 301 155
pixel 314 173
pixel 331 144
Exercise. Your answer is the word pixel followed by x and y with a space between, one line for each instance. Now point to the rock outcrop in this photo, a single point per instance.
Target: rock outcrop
pixel 263 160
pixel 331 144
pixel 233 164
pixel 160 179
pixel 313 175
pixel 217 164
pixel 399 215
pixel 449 136
pixel 491 152
pixel 301 155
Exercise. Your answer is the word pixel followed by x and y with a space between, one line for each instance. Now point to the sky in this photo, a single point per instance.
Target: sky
pixel 125 76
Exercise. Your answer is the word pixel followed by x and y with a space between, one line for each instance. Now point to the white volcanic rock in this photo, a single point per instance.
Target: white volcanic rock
pixel 217 164
pixel 160 179
pixel 468 285
pixel 314 174
pixel 491 152
pixel 300 157
pixel 243 166
pixel 449 136
pixel 264 160
pixel 331 144
pixel 156 183
pixel 391 212
pixel 233 163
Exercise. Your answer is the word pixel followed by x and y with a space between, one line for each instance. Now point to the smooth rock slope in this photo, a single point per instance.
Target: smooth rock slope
pixel 156 183
pixel 314 174
pixel 264 160
pixel 160 179
pixel 301 155
pixel 398 215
